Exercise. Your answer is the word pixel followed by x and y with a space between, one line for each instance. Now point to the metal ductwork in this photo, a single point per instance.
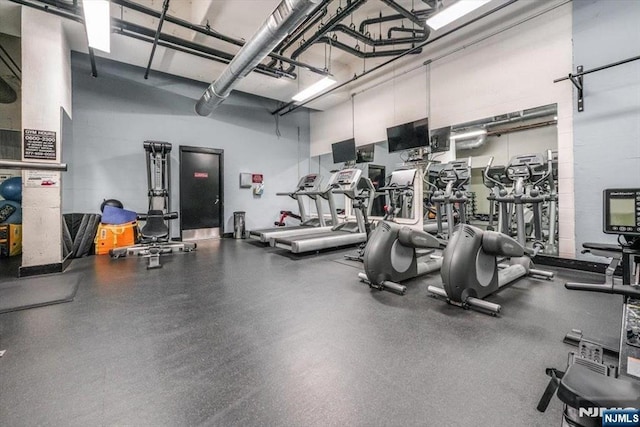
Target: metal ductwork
pixel 503 120
pixel 286 18
pixel 470 144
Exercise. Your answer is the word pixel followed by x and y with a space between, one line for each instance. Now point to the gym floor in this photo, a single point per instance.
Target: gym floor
pixel 236 334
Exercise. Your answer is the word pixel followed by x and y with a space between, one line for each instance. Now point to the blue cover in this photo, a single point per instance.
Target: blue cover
pixel 116 216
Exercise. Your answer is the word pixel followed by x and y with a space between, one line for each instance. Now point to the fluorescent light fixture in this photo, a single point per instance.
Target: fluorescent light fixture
pixel 469 134
pixel 456 11
pixel 315 88
pixel 97 21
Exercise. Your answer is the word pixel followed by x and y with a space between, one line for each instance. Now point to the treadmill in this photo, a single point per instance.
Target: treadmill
pixel 310 186
pixel 353 185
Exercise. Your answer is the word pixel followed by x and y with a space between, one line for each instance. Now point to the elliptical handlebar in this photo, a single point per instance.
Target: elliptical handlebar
pixel 489 177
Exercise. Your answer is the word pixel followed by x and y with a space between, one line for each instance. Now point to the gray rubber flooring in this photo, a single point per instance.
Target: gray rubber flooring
pixel 235 334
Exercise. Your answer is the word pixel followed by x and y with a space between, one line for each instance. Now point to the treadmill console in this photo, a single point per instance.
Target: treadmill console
pixel 345 179
pixel 311 181
pixel 622 211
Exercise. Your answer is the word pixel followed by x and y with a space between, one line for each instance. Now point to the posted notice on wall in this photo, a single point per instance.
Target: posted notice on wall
pixel 39 144
pixel 42 179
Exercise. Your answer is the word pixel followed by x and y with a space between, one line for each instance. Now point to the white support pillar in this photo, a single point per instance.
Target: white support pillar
pixel 46 87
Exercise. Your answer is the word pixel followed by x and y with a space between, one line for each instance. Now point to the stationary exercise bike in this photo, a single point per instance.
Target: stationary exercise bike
pixel 470 268
pixel 156 233
pixel 590 384
pixel 391 254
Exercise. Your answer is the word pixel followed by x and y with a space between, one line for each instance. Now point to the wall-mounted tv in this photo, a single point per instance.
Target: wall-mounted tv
pixel 344 151
pixel 408 135
pixel 439 140
pixel 364 153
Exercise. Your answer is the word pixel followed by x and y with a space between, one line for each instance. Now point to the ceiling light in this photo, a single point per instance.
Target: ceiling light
pixel 469 134
pixel 453 12
pixel 97 21
pixel 315 88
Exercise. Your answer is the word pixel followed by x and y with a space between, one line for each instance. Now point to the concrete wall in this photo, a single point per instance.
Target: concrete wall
pixel 607 133
pixel 46 87
pixel 116 112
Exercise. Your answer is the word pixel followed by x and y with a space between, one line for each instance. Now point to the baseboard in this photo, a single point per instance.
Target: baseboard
pixel 574 264
pixel 36 270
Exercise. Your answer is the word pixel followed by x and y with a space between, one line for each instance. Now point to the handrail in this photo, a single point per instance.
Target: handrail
pixel 16 164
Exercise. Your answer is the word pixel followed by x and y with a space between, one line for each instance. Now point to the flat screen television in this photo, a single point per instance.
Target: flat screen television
pixel 364 153
pixel 344 151
pixel 439 140
pixel 408 135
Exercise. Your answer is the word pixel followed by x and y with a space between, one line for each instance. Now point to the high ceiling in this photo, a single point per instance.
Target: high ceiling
pixel 219 26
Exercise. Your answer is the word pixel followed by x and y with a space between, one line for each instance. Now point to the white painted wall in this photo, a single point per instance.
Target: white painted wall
pixel 46 86
pixel 509 71
pixel 368 114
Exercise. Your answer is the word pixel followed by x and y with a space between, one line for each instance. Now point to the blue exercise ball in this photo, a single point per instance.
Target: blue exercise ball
pixel 11 189
pixel 10 212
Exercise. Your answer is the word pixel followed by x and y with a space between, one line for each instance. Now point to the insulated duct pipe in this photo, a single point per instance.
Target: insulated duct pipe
pixel 476 142
pixel 286 18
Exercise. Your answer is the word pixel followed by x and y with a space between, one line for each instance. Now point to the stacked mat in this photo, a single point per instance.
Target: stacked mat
pixel 78 233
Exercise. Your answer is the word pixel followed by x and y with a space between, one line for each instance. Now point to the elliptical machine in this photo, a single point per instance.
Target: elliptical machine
pixel 470 268
pixel 450 192
pixel 391 254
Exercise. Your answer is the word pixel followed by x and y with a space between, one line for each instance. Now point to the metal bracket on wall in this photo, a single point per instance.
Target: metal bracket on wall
pixel 577 81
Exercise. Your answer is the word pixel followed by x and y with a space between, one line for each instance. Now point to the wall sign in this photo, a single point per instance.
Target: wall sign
pixel 39 144
pixel 45 179
pixel 256 178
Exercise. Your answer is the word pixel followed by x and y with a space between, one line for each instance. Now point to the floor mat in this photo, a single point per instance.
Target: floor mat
pixel 30 292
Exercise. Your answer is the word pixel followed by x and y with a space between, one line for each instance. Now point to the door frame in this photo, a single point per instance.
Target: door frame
pixel 205 150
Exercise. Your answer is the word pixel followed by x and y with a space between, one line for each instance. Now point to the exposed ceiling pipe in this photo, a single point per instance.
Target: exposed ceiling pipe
pixel 290 107
pixel 287 17
pixel 380 42
pixel 404 12
pixel 148 32
pixel 533 113
pixel 172 42
pixel 205 30
pixel 351 6
pixel 421 14
pixel 517 117
pixel 198 53
pixel 415 31
pixel 469 144
pixel 361 54
pixel 165 7
pixel 310 22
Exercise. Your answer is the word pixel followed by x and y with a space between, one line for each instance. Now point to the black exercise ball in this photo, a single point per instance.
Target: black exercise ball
pixel 111 202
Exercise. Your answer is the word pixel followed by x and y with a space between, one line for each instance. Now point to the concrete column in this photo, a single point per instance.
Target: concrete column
pixel 46 88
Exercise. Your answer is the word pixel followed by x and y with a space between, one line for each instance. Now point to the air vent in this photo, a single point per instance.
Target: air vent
pixel 385 226
pixel 468 230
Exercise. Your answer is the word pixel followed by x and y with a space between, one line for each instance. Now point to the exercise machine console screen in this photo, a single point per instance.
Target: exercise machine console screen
pixel 622 211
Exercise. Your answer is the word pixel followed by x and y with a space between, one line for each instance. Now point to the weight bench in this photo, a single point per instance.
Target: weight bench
pixel 154 239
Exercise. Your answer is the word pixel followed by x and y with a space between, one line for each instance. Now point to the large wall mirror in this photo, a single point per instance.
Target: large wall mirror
pixel 507 139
